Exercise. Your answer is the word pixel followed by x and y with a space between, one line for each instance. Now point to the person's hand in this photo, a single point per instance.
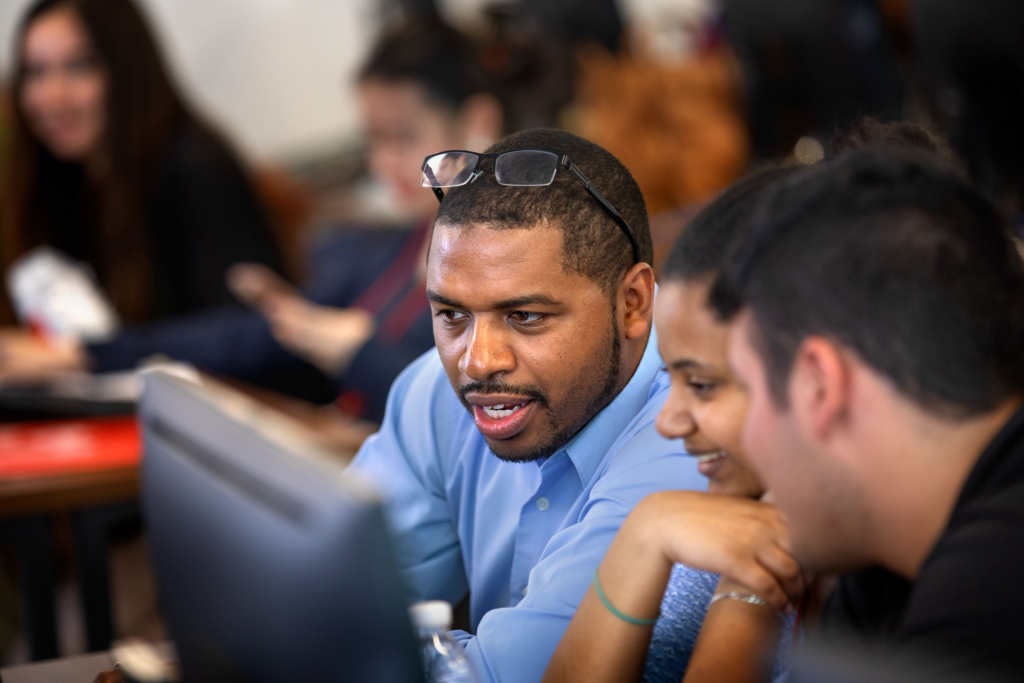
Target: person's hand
pixel 743 540
pixel 329 338
pixel 256 285
pixel 25 357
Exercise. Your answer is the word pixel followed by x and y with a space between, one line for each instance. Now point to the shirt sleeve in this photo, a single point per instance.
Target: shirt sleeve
pixel 515 644
pixel 403 460
pixel 228 342
pixel 380 361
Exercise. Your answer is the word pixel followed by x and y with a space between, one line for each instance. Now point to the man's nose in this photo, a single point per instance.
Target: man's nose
pixel 488 353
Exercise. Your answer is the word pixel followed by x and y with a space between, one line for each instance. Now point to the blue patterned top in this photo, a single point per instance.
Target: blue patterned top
pixel 682 612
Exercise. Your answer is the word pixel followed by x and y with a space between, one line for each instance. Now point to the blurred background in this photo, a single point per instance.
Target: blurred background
pixel 319 112
pixel 274 73
pixel 688 92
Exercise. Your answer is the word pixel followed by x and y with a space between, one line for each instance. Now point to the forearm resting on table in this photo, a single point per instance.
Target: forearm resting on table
pixel 26 357
pixel 598 646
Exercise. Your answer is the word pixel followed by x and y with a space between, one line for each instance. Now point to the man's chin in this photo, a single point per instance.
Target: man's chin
pixel 510 451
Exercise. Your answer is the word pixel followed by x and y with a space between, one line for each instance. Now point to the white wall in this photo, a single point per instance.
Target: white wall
pixel 274 75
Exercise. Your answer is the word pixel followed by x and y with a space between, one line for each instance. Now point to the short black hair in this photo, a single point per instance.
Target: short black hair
pixel 871 133
pixel 700 250
pixel 897 257
pixel 593 244
pixel 441 59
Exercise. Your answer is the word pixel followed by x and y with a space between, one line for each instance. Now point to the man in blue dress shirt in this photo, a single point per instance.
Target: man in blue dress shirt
pixel 512 486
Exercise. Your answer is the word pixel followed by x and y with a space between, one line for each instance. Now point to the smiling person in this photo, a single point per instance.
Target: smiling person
pixel 361 315
pixel 510 456
pixel 877 326
pixel 108 165
pixel 683 539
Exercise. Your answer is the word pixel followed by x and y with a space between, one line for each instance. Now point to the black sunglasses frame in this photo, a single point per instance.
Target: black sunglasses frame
pixel 564 162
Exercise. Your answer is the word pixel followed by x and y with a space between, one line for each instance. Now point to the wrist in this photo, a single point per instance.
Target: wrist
pixel 68 354
pixel 658 519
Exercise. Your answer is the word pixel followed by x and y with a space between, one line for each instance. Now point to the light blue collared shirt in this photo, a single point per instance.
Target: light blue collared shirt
pixel 523 538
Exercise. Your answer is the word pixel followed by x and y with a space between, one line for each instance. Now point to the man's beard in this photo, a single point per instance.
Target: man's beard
pixel 600 395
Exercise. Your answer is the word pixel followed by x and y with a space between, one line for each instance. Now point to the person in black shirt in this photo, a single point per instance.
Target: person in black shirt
pixel 361 314
pixel 877 303
pixel 108 164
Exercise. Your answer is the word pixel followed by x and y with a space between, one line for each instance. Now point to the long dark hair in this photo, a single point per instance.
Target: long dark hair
pixel 143 110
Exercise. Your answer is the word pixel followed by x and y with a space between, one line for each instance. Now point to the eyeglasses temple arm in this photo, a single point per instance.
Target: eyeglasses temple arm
pixel 438 192
pixel 596 194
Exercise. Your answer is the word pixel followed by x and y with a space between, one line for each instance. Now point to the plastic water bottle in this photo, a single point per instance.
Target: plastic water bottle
pixel 443 658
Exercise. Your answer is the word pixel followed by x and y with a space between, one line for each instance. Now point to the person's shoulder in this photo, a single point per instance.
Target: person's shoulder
pixel 640 437
pixel 195 152
pixel 643 458
pixel 423 393
pixel 342 243
pixel 968 595
pixel 990 525
pixel 424 418
pixel 423 377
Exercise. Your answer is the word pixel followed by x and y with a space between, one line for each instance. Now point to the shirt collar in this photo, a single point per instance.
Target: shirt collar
pixel 587 449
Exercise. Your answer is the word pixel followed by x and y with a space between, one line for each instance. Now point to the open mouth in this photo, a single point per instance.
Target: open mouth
pixel 709 463
pixel 502 410
pixel 502 420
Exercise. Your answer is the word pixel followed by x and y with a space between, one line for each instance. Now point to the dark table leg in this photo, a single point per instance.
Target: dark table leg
pixel 92 529
pixel 32 542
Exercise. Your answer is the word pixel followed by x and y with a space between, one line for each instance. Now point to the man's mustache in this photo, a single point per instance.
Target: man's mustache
pixel 492 387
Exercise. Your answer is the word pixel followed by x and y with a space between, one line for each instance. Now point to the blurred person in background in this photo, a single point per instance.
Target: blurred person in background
pixel 107 164
pixel 666 104
pixel 422 89
pixel 362 314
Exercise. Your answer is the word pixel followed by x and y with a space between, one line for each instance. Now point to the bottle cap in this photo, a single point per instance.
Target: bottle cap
pixel 431 614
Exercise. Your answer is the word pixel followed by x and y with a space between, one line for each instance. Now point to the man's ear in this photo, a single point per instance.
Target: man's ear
pixel 820 387
pixel 636 301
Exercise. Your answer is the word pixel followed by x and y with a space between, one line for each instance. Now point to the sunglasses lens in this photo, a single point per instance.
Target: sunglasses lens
pixel 526 168
pixel 448 169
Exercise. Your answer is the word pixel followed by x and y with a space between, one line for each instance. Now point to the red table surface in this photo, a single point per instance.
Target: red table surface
pixel 68 446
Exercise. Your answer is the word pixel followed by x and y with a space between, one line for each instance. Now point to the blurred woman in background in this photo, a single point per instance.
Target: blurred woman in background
pixel 108 165
pixel 362 314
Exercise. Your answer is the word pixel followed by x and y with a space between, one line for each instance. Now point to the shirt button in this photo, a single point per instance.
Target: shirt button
pixel 543 504
pixel 524 591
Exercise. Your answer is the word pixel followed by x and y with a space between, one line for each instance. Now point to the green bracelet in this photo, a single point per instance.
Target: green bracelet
pixel 611 608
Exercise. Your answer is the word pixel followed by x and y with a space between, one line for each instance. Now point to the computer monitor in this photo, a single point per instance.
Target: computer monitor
pixel 272 563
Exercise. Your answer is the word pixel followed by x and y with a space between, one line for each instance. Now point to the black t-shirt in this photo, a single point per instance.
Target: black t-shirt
pixel 202 214
pixel 965 611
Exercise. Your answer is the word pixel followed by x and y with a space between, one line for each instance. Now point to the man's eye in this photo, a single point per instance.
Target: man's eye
pixel 525 317
pixel 450 316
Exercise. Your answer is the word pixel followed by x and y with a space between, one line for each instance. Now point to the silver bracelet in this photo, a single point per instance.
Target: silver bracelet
pixel 748 598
